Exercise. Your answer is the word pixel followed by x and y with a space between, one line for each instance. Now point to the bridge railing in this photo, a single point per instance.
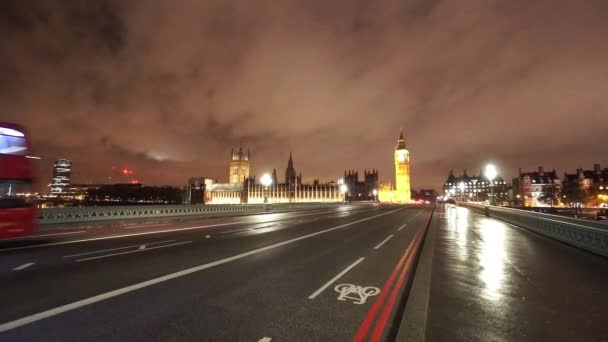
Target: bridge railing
pixel 589 235
pixel 105 213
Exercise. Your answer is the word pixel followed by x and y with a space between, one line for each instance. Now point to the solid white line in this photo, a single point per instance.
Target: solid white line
pixel 145 225
pixel 322 288
pixel 142 247
pixel 265 339
pixel 135 251
pixel 24 266
pixel 402 226
pixel 383 242
pixel 114 249
pixel 98 298
pixel 43 235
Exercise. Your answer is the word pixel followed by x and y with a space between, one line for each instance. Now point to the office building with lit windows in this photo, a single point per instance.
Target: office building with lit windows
pixel 62 170
pixel 474 188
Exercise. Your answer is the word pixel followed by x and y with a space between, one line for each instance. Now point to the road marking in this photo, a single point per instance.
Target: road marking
pixel 371 315
pixel 43 235
pixel 135 251
pixel 383 242
pixel 390 303
pixel 24 266
pixel 207 236
pixel 402 227
pixel 265 339
pixel 333 280
pixel 146 225
pixel 142 247
pixel 358 294
pixel 100 297
pixel 114 249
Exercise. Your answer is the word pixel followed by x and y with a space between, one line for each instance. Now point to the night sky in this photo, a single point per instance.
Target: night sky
pixel 167 88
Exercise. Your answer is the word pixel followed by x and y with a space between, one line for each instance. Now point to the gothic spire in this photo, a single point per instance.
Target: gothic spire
pixel 401 141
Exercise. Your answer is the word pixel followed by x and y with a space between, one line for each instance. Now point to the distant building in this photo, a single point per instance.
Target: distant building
pixel 62 170
pixel 589 187
pixel 195 190
pixel 361 190
pixel 529 186
pixel 114 194
pixel 290 173
pixel 475 188
pixel 249 191
pixel 402 191
pixel 239 166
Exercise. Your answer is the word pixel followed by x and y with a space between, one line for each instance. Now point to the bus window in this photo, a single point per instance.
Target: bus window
pixel 12 142
pixel 13 194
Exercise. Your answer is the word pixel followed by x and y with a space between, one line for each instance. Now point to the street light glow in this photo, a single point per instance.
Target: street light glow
pixel 375 192
pixel 266 180
pixel 491 172
pixel 343 188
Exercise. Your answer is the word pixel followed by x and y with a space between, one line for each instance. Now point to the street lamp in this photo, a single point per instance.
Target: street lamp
pixel 490 174
pixel 375 193
pixel 266 182
pixel 343 190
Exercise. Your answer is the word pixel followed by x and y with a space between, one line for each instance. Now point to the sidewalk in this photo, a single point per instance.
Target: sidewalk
pixel 491 281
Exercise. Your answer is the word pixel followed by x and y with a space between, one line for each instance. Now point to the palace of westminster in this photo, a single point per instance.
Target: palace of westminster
pixel 242 188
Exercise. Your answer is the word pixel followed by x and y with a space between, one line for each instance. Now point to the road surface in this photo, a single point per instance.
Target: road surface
pixel 323 275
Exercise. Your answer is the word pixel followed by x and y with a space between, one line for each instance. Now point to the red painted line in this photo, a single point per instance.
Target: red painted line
pixel 369 318
pixel 390 304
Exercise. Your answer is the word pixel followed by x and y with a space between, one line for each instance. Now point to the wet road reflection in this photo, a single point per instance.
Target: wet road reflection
pixel 494 282
pixel 487 246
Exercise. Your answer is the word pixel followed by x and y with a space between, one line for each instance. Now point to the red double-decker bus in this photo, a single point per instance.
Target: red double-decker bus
pixel 17 214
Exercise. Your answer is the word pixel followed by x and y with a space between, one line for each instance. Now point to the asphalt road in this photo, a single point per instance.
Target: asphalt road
pixel 269 277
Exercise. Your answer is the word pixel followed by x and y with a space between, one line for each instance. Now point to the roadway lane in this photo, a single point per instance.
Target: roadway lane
pixel 509 284
pixel 248 281
pixel 83 240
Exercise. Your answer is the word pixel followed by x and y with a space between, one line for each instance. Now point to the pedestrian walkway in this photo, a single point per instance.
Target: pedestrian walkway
pixel 492 281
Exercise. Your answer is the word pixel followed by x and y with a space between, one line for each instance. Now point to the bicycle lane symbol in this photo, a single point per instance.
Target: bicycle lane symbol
pixel 357 294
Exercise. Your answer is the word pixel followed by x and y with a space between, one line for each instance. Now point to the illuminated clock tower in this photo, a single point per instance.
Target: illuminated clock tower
pixel 402 172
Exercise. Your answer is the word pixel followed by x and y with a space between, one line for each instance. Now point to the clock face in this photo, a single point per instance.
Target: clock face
pixel 401 157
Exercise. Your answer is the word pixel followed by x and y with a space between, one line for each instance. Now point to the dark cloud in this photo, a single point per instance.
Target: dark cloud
pixel 169 88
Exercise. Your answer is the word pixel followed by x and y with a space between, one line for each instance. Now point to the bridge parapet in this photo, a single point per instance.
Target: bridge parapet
pixel 91 214
pixel 588 235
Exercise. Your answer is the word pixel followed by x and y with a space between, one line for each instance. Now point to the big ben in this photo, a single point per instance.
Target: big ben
pixel 402 172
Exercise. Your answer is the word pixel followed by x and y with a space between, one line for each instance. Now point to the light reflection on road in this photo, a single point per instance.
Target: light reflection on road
pixel 481 243
pixel 492 257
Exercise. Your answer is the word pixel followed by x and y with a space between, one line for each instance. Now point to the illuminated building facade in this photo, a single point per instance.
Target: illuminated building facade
pixel 239 166
pixel 529 186
pixel 588 187
pixel 475 188
pixel 401 193
pixel 248 191
pixel 61 177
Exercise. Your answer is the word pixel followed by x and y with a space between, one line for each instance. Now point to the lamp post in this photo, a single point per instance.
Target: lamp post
pixel 375 193
pixel 343 190
pixel 266 182
pixel 490 174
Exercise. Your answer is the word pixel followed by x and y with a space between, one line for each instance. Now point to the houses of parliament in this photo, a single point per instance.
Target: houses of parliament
pixel 243 188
